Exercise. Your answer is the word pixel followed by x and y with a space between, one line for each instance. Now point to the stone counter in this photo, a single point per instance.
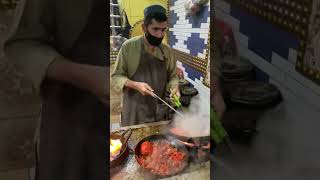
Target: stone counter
pixel 130 169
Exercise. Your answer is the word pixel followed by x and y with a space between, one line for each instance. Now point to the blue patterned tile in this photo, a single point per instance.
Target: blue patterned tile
pixel 173 18
pixel 195 44
pixel 202 17
pixel 172 39
pixel 192 73
pixel 264 37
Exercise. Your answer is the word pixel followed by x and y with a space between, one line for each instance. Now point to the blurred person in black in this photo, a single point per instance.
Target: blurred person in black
pixel 61 47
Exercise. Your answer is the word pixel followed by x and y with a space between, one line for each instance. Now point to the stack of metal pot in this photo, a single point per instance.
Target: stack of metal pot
pixel 245 97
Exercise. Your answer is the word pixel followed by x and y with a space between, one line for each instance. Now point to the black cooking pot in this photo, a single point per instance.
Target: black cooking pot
pixel 124 151
pixel 189 91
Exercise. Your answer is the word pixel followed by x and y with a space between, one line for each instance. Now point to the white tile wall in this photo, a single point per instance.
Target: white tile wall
pixel 203 36
pixel 181 13
pixel 182 26
pixel 200 55
pixel 241 39
pixel 183 21
pixel 178 33
pixel 281 71
pixel 183 37
pixel 205 26
pixel 205 51
pixel 180 45
pixel 179 2
pixel 262 64
pixel 183 29
pixel 179 9
pixel 292 56
pixel 279 62
pixel 189 30
pixel 181 49
pixel 181 42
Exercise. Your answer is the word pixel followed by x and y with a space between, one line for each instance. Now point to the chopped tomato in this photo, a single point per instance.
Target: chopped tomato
pixel 146 148
pixel 161 157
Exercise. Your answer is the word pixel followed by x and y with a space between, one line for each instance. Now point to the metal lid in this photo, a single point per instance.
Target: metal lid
pixel 252 92
pixel 236 66
pixel 183 82
pixel 189 91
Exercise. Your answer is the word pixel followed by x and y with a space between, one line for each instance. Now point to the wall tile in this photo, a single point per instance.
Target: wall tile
pixel 279 61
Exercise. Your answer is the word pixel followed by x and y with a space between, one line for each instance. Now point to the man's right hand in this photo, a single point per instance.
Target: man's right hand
pixel 143 88
pixel 87 77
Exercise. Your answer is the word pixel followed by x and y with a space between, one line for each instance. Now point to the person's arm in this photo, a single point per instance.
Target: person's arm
pixel 120 74
pixel 30 48
pixel 86 77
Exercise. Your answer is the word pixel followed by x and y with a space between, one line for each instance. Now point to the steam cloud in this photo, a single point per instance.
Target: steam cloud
pixel 196 120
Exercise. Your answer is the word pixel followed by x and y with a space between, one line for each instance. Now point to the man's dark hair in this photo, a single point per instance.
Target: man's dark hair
pixel 156 12
pixel 157 16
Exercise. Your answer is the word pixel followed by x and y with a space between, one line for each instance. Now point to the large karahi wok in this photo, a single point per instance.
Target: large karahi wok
pixel 159 161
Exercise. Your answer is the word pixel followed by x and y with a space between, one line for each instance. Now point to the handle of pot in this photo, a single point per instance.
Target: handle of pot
pixel 125 132
pixel 126 137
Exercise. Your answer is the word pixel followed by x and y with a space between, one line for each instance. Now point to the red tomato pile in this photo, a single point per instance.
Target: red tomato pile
pixel 161 158
pixel 146 148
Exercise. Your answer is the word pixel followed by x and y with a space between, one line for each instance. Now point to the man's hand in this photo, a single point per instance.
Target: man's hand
pixel 175 91
pixel 143 88
pixel 98 82
pixel 87 77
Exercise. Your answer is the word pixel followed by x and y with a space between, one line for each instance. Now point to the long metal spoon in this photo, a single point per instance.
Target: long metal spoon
pixel 156 96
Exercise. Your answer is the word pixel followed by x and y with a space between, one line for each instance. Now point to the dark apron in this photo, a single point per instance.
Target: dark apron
pixel 74 122
pixel 137 108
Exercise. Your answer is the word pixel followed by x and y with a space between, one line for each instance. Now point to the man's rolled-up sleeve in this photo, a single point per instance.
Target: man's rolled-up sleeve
pixel 29 48
pixel 120 74
pixel 33 58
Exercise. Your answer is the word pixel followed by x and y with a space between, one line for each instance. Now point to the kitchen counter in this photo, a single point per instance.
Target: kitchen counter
pixel 131 170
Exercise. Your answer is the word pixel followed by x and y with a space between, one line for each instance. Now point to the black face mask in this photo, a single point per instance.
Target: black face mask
pixel 154 41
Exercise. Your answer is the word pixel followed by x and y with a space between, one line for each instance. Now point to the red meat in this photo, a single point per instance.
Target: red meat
pixel 161 158
pixel 146 148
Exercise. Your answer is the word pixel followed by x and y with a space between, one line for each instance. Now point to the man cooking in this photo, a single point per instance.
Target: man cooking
pixel 145 66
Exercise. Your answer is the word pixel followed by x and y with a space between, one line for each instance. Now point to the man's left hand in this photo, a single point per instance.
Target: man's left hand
pixel 175 91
